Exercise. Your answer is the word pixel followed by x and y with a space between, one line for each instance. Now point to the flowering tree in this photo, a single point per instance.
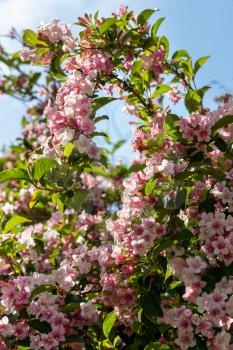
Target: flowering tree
pixel 101 256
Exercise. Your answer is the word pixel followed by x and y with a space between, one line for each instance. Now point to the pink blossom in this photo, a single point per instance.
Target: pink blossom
pixel 196 264
pixel 173 95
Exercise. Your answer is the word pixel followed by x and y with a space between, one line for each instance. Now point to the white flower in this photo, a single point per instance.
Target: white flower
pixel 167 167
pixel 83 144
pixel 8 208
pixel 65 135
pixel 116 251
pixel 88 310
pixel 50 235
pixel 25 237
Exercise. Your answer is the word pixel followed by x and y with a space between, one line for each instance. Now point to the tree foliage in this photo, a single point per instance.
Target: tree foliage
pixel 96 255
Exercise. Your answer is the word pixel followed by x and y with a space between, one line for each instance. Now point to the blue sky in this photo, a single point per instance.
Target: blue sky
pixel 202 27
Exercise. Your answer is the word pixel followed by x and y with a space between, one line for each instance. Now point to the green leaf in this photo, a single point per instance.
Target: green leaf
pixel 175 285
pixel 102 101
pixel 170 204
pixel 58 199
pixel 180 53
pixel 150 186
pixel 221 144
pixel 71 307
pixel 69 147
pixel 137 68
pixel 107 23
pixel 161 90
pixel 97 170
pixel 30 37
pixel 43 288
pixel 136 167
pixel 117 341
pixel 55 66
pixel 164 41
pixel 41 326
pixel 150 304
pixel 36 196
pixel 144 16
pixel 14 174
pixel 186 68
pixel 180 198
pixel 1 217
pixel 223 122
pixel 202 91
pixel 42 166
pixel 96 15
pixel 100 118
pixel 199 63
pixel 60 204
pixel 171 126
pixel 166 243
pixel 109 323
pixel 35 78
pixel 157 346
pixel 192 101
pixel 77 200
pixel 201 342
pixel 156 26
pixel 15 221
pixel 184 235
pixel 98 133
pixel 117 145
pixel 74 338
pixel 10 342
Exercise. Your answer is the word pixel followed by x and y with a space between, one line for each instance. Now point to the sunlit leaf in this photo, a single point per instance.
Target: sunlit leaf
pixel 223 122
pixel 156 26
pixel 109 323
pixel 199 63
pixel 42 166
pixel 14 174
pixel 144 16
pixel 30 37
pixel 15 221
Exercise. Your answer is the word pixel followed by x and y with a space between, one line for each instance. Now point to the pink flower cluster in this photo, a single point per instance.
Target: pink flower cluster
pixel 216 234
pixel 51 33
pixel 155 61
pixel 69 118
pixel 90 259
pixel 214 311
pixel 94 61
pixel 133 239
pixel 197 127
pixel 174 95
pixel 43 307
pixel 55 32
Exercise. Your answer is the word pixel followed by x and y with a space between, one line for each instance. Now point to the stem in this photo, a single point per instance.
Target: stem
pixel 131 89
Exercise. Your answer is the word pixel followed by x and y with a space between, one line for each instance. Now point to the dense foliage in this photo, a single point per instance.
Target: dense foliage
pixel 97 255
